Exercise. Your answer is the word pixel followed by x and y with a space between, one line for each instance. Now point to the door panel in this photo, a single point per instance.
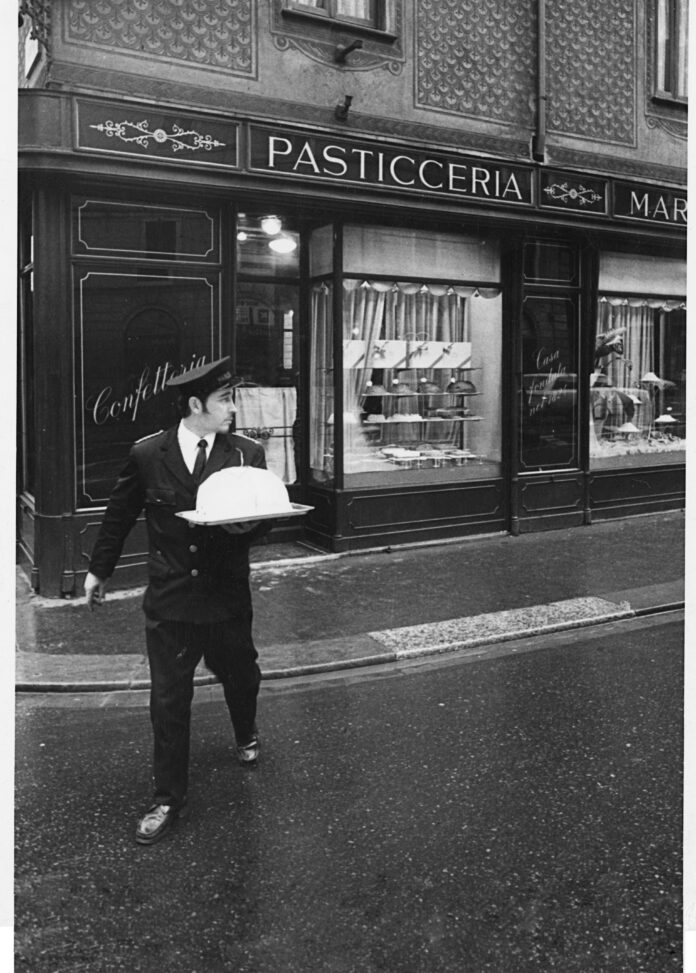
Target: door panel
pixel 548 394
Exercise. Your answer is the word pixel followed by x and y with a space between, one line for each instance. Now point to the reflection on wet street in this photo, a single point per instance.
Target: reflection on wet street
pixel 516 813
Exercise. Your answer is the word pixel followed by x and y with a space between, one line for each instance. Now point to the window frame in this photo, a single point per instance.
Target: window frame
pixel 381 28
pixel 666 50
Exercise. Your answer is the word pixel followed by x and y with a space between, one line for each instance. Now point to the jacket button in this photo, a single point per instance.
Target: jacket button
pixel 193 548
pixel 194 573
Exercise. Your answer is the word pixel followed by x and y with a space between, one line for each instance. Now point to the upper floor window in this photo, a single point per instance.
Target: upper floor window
pixel 672 49
pixel 368 13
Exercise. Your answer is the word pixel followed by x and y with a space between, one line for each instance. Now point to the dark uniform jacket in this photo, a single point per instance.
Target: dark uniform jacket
pixel 196 573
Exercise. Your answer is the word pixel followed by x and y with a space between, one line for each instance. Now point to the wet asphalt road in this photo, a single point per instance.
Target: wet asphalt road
pixel 516 813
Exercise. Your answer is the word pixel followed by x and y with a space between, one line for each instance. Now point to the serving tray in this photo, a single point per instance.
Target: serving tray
pixel 193 517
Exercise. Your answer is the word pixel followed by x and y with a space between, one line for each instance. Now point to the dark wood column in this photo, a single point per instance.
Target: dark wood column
pixel 53 383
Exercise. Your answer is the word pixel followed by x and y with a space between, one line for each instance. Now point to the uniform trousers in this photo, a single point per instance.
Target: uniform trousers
pixel 174 650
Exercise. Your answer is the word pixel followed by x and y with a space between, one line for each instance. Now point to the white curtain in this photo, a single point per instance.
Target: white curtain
pixel 358 9
pixel 270 412
pixel 621 392
pixel 404 311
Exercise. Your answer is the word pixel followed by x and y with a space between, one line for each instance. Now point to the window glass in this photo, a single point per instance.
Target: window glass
pixel 638 385
pixel 321 385
pixel 412 253
pixel 154 232
pixel 360 11
pixel 672 48
pixel 25 391
pixel 134 332
pixel 421 361
pixel 549 404
pixel 267 368
pixel 25 374
pixel 549 263
pixel 421 381
pixel 321 251
pixel 267 245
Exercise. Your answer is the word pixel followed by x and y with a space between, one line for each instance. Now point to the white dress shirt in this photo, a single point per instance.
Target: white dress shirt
pixel 188 444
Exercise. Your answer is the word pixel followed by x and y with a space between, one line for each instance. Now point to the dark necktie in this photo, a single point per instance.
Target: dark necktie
pixel 199 465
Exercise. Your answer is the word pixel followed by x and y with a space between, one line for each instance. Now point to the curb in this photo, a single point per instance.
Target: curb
pixel 622 611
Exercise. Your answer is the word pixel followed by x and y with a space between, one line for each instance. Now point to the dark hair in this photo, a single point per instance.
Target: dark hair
pixel 182 406
pixel 182 400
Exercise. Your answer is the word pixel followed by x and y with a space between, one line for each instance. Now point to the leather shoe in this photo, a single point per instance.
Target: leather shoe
pixel 249 752
pixel 155 823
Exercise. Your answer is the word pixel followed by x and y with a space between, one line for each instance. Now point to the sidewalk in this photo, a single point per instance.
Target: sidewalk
pixel 319 612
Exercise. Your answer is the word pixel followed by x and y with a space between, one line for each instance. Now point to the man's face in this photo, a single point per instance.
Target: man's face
pixel 218 410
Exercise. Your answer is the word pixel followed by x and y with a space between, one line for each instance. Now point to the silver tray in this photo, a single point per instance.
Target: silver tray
pixel 193 517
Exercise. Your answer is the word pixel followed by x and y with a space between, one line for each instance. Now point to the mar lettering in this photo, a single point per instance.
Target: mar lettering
pixel 655 205
pixel 670 209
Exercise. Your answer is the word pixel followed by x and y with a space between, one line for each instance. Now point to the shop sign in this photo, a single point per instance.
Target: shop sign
pixel 559 190
pixel 649 204
pixel 128 129
pixel 369 164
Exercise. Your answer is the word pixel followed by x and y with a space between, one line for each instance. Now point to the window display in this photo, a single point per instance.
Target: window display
pixel 266 358
pixel 638 383
pixel 638 387
pixel 420 365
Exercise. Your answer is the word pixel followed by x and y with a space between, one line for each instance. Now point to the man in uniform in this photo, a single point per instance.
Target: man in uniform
pixel 197 602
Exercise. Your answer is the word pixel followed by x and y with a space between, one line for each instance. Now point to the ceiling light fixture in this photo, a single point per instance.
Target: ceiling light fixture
pixel 271 225
pixel 283 244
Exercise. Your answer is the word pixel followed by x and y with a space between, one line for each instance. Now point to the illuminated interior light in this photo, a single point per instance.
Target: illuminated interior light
pixel 242 236
pixel 283 244
pixel 271 225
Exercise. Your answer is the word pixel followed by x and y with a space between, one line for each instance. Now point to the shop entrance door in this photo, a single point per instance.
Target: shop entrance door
pixel 549 489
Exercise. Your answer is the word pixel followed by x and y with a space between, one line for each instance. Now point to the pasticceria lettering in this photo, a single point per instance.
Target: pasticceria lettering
pixel 382 167
pixel 105 405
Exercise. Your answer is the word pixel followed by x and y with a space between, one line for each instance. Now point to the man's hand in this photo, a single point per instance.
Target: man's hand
pixel 242 527
pixel 95 590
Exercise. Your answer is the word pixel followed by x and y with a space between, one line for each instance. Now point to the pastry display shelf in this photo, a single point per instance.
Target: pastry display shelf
pixel 438 419
pixel 405 392
pixel 434 459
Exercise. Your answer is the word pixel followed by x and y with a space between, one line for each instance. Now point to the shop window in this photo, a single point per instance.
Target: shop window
pixel 420 361
pixel 267 366
pixel 25 389
pixel 149 232
pixel 672 47
pixel 549 263
pixel 133 332
pixel 267 245
pixel 638 385
pixel 366 13
pixel 266 337
pixel 321 385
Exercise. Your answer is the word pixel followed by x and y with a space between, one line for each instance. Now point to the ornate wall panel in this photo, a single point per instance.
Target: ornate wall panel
pixel 476 58
pixel 39 14
pixel 591 65
pixel 218 34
